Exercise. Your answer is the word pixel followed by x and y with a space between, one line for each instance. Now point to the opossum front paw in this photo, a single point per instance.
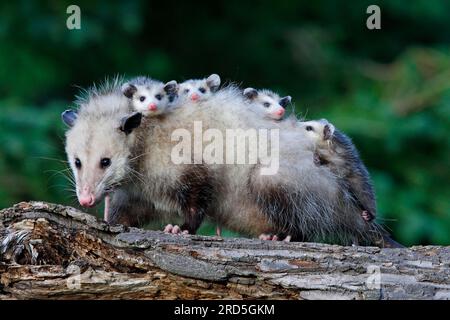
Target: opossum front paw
pixel 367 216
pixel 218 231
pixel 268 236
pixel 274 237
pixel 316 159
pixel 265 236
pixel 174 229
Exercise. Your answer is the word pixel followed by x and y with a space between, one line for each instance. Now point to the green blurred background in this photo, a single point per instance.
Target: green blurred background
pixel 388 89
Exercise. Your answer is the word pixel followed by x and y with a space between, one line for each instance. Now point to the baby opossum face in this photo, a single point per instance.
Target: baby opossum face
pixel 153 98
pixel 199 90
pixel 98 153
pixel 319 131
pixel 267 103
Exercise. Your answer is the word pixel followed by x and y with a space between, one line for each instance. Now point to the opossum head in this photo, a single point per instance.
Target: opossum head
pixel 199 90
pixel 150 97
pixel 319 131
pixel 98 145
pixel 267 103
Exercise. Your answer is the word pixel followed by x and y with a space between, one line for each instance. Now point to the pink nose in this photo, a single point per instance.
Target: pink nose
pixel 152 107
pixel 86 198
pixel 279 112
pixel 194 97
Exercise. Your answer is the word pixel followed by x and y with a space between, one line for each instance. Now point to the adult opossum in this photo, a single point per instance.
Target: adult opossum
pixel 112 150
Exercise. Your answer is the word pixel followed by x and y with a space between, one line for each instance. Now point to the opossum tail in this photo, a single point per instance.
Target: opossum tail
pixel 384 239
pixel 388 242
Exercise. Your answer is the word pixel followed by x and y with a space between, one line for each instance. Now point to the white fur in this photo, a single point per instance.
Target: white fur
pixel 150 97
pixel 314 131
pixel 203 88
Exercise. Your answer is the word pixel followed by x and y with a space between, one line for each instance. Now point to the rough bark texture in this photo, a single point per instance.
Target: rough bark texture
pixel 57 252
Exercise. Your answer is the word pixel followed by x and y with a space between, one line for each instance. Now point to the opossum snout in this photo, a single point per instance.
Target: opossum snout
pixel 195 97
pixel 86 198
pixel 152 107
pixel 279 112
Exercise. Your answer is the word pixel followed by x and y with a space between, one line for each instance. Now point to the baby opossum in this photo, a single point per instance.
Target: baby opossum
pixel 199 90
pixel 150 97
pixel 267 103
pixel 335 150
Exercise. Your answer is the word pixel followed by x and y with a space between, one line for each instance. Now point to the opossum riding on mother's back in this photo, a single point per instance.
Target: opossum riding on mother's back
pixel 301 199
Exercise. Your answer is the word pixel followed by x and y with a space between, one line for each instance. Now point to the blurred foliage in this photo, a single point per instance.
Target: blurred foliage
pixel 388 89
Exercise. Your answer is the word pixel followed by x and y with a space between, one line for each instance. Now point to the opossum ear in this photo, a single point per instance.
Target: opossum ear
pixel 171 87
pixel 328 131
pixel 128 90
pixel 213 82
pixel 250 93
pixel 285 101
pixel 69 117
pixel 130 122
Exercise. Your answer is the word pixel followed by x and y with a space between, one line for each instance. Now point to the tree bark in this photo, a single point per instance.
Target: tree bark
pixel 58 252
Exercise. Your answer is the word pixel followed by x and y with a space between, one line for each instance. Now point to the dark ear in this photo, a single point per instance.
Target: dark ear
pixel 130 122
pixel 213 82
pixel 69 117
pixel 128 90
pixel 171 87
pixel 328 131
pixel 285 101
pixel 250 93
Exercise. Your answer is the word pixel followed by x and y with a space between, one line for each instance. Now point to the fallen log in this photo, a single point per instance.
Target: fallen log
pixel 57 252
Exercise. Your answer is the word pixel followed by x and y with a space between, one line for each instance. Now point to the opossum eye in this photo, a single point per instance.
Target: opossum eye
pixel 309 128
pixel 186 90
pixel 142 99
pixel 105 162
pixel 202 90
pixel 77 163
pixel 266 104
pixel 158 96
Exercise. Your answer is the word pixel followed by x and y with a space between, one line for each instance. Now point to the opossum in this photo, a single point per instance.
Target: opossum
pixel 335 150
pixel 100 145
pixel 300 199
pixel 150 97
pixel 199 89
pixel 99 164
pixel 267 103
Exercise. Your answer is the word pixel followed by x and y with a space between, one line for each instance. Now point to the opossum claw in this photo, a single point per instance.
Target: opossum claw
pixel 274 237
pixel 174 229
pixel 367 216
